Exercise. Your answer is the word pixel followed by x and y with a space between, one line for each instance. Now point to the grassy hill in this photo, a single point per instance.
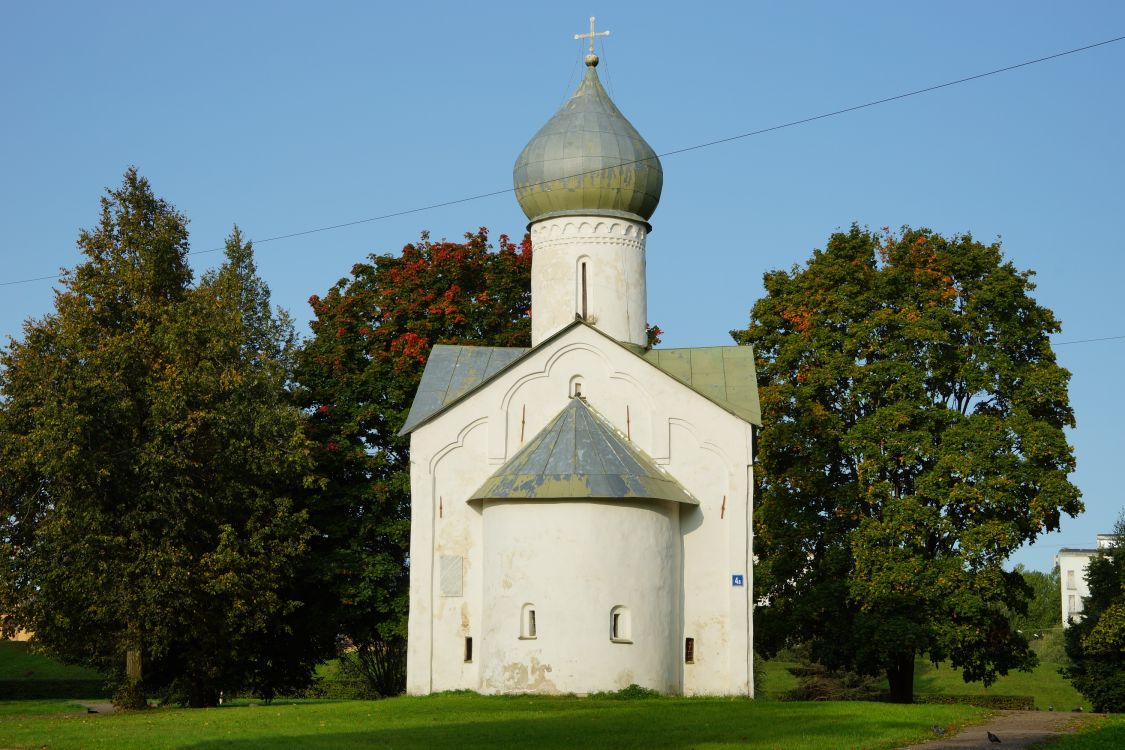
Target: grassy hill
pixel 25 675
pixel 1044 684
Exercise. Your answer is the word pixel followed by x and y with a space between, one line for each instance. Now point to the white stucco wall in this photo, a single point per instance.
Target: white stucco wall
pixel 1072 579
pixel 575 561
pixel 614 253
pixel 708 451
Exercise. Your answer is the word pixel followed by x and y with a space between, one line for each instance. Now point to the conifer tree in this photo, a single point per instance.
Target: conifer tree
pixel 149 464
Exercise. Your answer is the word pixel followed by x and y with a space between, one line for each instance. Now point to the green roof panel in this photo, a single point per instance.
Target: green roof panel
pixel 723 374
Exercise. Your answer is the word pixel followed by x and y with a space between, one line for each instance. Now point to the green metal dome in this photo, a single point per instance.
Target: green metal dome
pixel 588 159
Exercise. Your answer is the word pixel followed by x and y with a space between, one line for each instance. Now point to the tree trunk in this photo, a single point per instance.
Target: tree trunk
pixel 901 679
pixel 202 694
pixel 131 694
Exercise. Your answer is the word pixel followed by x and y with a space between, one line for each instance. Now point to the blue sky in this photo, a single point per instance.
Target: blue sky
pixel 286 116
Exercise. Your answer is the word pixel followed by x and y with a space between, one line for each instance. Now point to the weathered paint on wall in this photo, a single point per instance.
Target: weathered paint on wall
pixel 613 251
pixel 688 553
pixel 575 562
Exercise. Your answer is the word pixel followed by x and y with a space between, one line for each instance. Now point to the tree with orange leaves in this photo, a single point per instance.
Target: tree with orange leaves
pixel 914 416
pixel 358 374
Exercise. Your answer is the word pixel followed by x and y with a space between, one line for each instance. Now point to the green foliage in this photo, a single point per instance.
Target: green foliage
pixel 150 463
pixel 997 702
pixel 818 683
pixel 914 439
pixel 459 722
pixel 633 692
pixel 1044 608
pixel 1051 647
pixel 1096 642
pixel 358 375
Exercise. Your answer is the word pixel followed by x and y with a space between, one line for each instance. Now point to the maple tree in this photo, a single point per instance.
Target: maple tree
pixel 150 461
pixel 358 374
pixel 913 439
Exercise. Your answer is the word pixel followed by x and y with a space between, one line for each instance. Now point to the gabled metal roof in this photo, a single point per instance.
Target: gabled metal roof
pixel 581 456
pixel 724 374
pixel 453 371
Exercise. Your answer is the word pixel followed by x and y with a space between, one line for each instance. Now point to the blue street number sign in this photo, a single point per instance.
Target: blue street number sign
pixel 737 580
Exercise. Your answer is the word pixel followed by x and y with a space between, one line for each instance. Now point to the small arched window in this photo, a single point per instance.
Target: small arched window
pixel 620 625
pixel 528 628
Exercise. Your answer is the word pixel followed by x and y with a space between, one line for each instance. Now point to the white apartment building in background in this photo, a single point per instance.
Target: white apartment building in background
pixel 1072 576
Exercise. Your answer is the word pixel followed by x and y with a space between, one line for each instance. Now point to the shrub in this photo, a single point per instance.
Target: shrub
pixel 1005 702
pixel 632 693
pixel 818 683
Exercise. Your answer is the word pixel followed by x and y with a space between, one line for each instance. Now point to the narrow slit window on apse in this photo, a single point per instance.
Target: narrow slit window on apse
pixel 468 649
pixel 620 628
pixel 689 651
pixel 528 628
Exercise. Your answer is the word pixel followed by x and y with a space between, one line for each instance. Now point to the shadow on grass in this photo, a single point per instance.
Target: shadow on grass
pixel 680 726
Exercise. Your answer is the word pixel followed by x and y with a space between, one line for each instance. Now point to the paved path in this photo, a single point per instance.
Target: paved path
pixel 101 708
pixel 1016 730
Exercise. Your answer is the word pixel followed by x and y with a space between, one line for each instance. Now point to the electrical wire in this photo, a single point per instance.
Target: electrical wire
pixel 673 152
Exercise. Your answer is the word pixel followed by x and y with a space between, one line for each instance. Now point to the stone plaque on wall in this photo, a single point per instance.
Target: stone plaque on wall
pixel 451 574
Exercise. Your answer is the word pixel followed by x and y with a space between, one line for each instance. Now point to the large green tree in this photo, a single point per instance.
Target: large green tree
pixel 358 374
pixel 149 461
pixel 913 439
pixel 1095 641
pixel 1044 608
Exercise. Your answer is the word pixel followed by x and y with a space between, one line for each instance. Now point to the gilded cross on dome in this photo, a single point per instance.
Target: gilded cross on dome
pixel 591 59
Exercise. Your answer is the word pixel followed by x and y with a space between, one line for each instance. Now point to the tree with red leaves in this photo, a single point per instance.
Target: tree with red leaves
pixel 358 374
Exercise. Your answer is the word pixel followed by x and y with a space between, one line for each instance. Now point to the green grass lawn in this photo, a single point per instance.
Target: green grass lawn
pixel 39 707
pixel 1100 733
pixel 1045 684
pixel 17 663
pixel 472 721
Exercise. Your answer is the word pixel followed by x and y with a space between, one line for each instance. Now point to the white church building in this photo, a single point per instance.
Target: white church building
pixel 581 509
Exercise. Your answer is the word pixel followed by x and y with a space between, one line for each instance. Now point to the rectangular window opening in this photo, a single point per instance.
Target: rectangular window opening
pixel 689 651
pixel 468 649
pixel 531 624
pixel 616 625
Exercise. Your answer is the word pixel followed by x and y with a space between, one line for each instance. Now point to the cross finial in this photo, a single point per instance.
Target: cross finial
pixel 591 58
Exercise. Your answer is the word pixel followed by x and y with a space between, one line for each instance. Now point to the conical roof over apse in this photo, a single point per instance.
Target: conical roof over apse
pixel 588 160
pixel 580 456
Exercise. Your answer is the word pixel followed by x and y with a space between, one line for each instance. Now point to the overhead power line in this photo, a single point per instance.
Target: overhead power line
pixel 673 152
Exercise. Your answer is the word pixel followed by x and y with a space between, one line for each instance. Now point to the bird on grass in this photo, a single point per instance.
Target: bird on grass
pixel 937 730
pixel 992 737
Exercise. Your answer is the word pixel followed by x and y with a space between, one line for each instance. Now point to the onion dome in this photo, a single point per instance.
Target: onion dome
pixel 588 160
